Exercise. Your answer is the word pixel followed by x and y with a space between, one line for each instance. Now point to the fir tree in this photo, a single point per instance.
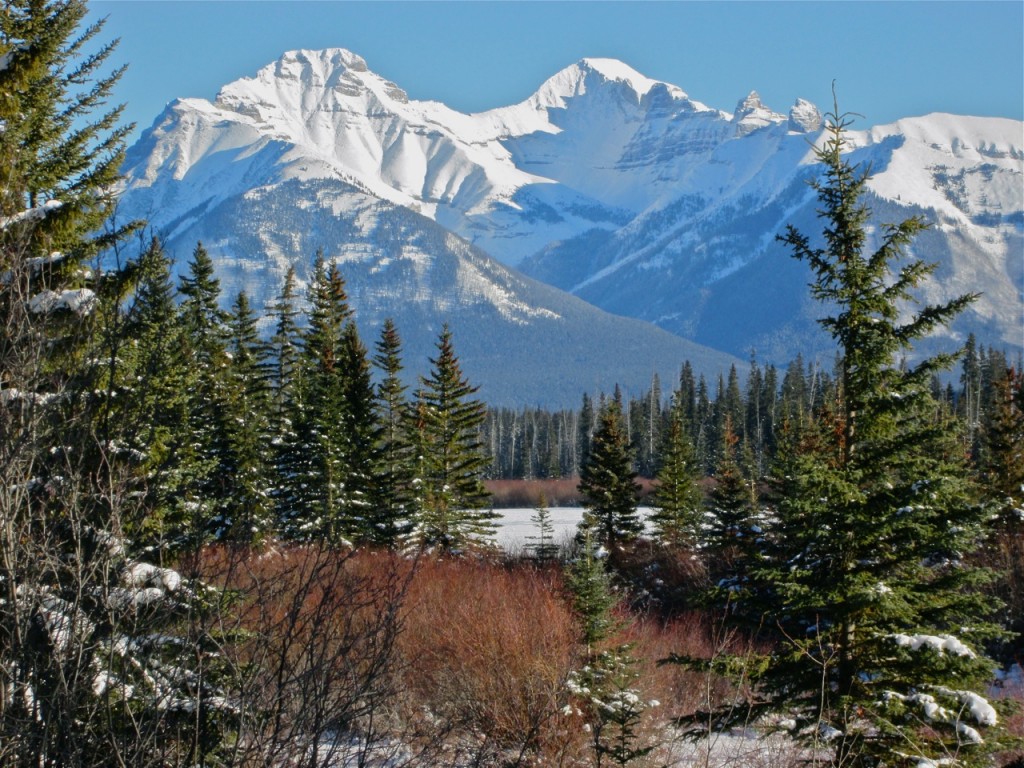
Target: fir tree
pixel 314 460
pixel 157 404
pixel 544 547
pixel 677 497
pixel 453 512
pixel 284 352
pixel 880 627
pixel 1002 473
pixel 392 510
pixel 729 530
pixel 76 606
pixel 608 485
pixel 203 324
pixel 362 440
pixel 246 508
pixel 604 687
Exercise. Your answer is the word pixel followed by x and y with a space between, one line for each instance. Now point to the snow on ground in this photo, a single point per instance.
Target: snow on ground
pixel 515 526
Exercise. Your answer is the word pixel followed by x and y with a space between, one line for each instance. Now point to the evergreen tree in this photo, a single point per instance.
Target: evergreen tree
pixel 677 497
pixel 1002 481
pixel 604 687
pixel 453 511
pixel 156 406
pixel 544 547
pixel 608 484
pixel 313 458
pixel 362 440
pixel 729 536
pixel 205 331
pixel 284 352
pixel 1002 474
pixel 246 508
pixel 95 671
pixel 880 625
pixel 392 510
pixel 585 431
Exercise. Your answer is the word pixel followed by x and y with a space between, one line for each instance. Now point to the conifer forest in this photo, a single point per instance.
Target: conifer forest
pixel 234 535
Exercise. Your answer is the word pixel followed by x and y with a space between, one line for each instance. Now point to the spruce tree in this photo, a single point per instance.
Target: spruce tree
pixel 362 440
pixel 608 485
pixel 95 669
pixel 1002 472
pixel 878 623
pixel 730 530
pixel 392 510
pixel 543 545
pixel 246 507
pixel 156 406
pixel 454 505
pixel 284 351
pixel 315 457
pixel 204 326
pixel 677 497
pixel 604 687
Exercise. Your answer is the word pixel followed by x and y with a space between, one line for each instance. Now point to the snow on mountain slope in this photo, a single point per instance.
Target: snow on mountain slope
pixel 606 183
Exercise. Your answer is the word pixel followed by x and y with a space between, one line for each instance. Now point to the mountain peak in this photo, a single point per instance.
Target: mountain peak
pixel 751 114
pixel 614 70
pixel 804 117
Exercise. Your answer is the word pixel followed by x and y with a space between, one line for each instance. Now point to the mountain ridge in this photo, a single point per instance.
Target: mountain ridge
pixel 615 187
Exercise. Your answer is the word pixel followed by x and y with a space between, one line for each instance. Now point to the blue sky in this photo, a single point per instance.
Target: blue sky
pixel 889 59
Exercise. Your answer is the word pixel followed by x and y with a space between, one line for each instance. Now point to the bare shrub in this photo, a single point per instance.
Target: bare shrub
pixel 311 639
pixel 488 651
pixel 524 494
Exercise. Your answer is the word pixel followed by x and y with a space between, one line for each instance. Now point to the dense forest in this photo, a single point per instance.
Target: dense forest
pixel 535 443
pixel 222 547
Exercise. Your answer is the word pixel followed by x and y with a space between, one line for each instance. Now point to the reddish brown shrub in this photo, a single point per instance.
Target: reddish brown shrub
pixel 489 648
pixel 312 637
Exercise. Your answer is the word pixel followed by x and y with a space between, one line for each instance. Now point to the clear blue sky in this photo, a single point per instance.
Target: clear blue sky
pixel 889 59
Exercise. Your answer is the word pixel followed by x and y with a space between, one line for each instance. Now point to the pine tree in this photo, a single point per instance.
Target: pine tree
pixel 246 508
pixel 677 497
pixel 604 687
pixel 156 405
pixel 204 326
pixel 284 352
pixel 314 459
pixel 730 531
pixel 362 440
pixel 392 510
pixel 77 607
pixel 880 627
pixel 453 512
pixel 544 547
pixel 608 485
pixel 1002 474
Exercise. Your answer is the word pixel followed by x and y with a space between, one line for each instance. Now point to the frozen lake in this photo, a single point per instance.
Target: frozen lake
pixel 515 526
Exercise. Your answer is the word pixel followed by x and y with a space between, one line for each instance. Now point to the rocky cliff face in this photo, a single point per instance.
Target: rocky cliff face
pixel 606 184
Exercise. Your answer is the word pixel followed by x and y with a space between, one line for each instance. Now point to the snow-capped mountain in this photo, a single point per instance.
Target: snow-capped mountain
pixel 620 189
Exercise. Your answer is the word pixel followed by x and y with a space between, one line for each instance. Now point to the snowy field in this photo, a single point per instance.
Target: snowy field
pixel 515 527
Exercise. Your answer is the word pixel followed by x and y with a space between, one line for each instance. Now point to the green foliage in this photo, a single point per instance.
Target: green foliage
pixel 91 638
pixel 863 581
pixel 204 326
pixel 677 498
pixel 316 500
pixel 603 688
pixel 452 501
pixel 392 509
pixel 608 484
pixel 246 509
pixel 543 545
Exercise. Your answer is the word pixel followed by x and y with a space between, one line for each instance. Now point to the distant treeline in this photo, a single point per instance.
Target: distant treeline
pixel 536 443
